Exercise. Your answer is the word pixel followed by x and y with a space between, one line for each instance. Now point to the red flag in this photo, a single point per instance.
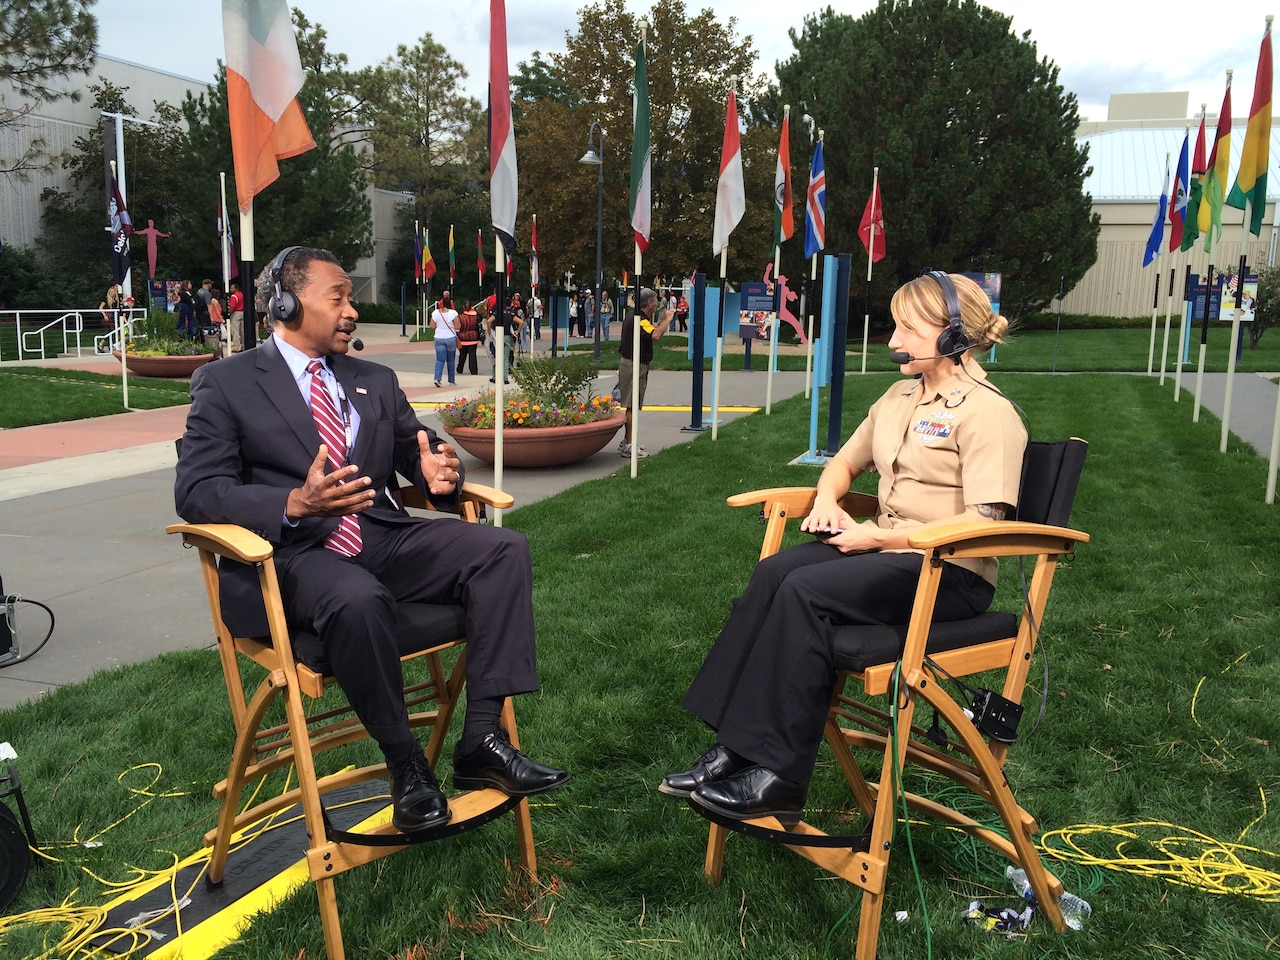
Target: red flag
pixel 480 255
pixel 871 230
pixel 503 177
pixel 731 193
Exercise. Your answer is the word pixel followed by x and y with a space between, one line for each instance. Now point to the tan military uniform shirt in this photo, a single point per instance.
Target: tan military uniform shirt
pixel 940 453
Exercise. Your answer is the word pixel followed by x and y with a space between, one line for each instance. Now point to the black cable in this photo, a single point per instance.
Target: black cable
pixel 9 601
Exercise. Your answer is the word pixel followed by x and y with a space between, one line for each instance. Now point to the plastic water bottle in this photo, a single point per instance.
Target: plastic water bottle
pixel 1075 910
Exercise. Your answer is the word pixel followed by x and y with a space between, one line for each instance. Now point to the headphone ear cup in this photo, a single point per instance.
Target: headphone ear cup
pixel 283 306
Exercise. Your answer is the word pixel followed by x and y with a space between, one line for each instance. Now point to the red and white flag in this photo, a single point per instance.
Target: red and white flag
pixel 731 194
pixel 264 75
pixel 503 177
pixel 871 230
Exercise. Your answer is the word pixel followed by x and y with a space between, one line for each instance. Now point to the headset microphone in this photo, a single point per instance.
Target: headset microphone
pixel 901 356
pixel 357 343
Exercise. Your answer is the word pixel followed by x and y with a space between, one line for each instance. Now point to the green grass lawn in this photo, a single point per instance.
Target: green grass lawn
pixel 32 395
pixel 1163 667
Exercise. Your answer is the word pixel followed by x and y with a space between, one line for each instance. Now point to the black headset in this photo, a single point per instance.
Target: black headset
pixel 283 305
pixel 953 341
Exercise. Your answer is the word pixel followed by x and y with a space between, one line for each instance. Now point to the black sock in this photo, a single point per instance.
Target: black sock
pixel 397 753
pixel 483 717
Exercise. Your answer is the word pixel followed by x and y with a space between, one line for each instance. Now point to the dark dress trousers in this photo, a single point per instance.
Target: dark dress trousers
pixel 250 439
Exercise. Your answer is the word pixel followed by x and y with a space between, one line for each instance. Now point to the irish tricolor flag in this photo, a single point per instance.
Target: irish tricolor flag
pixel 264 75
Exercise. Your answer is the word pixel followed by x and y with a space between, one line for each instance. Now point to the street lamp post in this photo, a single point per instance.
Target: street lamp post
pixel 595 157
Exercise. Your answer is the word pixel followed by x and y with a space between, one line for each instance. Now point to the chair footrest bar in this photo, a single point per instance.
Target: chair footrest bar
pixel 451 829
pixel 857 843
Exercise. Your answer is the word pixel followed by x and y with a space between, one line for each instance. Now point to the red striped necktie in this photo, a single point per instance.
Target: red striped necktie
pixel 345 539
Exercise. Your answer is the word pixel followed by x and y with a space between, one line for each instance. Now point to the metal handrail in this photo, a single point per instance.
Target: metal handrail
pixel 31 343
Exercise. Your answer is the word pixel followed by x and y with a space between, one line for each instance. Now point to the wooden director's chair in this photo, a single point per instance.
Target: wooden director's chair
pixel 295 670
pixel 910 663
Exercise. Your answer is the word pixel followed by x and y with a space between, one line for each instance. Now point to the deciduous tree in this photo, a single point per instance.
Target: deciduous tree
pixel 974 136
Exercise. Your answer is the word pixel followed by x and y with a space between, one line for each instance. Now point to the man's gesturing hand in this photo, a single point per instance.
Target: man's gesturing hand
pixel 440 470
pixel 330 494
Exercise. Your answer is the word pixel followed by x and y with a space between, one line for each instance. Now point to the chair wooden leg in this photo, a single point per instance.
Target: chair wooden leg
pixel 241 756
pixel 713 866
pixel 524 822
pixel 328 896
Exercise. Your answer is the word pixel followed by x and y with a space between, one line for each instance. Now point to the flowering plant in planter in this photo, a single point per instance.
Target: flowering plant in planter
pixel 550 393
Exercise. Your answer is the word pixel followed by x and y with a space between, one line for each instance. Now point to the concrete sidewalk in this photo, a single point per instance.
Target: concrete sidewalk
pixel 84 504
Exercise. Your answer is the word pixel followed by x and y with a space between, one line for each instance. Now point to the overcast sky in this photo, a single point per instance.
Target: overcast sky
pixel 1101 46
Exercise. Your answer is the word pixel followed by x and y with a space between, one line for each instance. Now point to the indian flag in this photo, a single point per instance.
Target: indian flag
pixel 784 224
pixel 264 75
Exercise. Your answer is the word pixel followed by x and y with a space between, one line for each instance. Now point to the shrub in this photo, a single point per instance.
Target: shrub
pixel 551 393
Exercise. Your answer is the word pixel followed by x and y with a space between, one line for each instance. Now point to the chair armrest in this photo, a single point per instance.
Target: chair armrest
pixel 798 501
pixel 491 495
pixel 410 496
pixel 995 538
pixel 224 539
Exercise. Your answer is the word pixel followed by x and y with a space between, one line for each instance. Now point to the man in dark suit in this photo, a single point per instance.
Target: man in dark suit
pixel 253 455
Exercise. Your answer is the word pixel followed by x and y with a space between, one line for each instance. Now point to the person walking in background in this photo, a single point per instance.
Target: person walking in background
pixel 444 320
pixel 682 314
pixel 468 341
pixel 606 313
pixel 187 324
pixel 535 314
pixel 235 308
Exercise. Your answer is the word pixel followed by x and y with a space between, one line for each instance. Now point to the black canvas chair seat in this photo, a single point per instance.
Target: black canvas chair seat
pixel 860 647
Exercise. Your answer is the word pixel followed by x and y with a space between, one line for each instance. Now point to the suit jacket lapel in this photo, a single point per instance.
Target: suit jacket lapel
pixel 282 390
pixel 357 392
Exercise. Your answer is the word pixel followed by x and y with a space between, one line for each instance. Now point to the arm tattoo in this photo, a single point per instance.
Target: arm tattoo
pixel 992 511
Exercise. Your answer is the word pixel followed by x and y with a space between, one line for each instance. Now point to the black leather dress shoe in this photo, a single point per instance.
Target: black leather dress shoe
pixel 754 792
pixel 716 764
pixel 416 801
pixel 496 763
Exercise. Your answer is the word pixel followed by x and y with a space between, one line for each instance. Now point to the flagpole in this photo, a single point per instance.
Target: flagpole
pixel 417 279
pixel 716 363
pixel 226 252
pixel 1184 321
pixel 120 328
pixel 1204 339
pixel 635 362
pixel 426 281
pixel 247 278
pixel 1168 310
pixel 1235 327
pixel 807 310
pixel 871 245
pixel 1155 302
pixel 500 364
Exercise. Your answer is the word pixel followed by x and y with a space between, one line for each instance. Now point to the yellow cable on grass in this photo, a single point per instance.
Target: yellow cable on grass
pixel 1175 854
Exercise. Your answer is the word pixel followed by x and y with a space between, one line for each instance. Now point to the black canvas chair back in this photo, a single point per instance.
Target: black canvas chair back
pixel 1050 475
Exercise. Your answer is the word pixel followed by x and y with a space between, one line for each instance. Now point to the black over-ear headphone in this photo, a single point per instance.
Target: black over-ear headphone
pixel 283 305
pixel 953 341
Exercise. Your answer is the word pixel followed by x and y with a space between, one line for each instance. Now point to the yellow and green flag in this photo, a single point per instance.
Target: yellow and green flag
pixel 1215 177
pixel 1251 178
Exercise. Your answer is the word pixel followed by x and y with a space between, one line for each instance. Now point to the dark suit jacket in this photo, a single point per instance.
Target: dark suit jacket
pixel 250 439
